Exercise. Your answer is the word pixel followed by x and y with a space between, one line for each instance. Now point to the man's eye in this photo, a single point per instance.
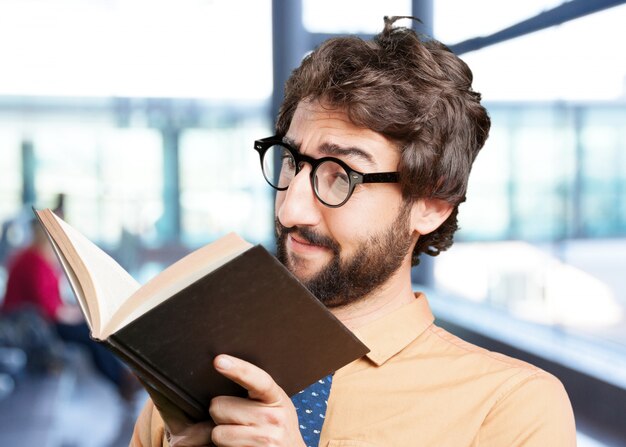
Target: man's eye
pixel 287 160
pixel 341 176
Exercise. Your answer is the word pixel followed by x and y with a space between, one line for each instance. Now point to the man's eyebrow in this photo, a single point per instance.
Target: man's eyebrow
pixel 334 149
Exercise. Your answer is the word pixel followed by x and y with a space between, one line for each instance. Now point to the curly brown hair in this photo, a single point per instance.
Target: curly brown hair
pixel 415 92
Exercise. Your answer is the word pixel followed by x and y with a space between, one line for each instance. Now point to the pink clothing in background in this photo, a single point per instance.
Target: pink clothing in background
pixel 32 282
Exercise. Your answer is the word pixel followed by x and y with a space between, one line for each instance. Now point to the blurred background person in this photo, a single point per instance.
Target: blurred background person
pixel 33 296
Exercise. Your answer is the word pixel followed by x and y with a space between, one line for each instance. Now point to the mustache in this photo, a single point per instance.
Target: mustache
pixel 308 235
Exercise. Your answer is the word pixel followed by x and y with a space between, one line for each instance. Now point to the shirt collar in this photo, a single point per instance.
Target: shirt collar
pixel 390 334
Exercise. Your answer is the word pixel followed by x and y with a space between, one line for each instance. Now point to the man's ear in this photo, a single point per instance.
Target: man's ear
pixel 428 214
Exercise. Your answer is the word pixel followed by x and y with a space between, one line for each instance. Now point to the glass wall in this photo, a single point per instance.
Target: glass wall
pixel 116 178
pixel 113 177
pixel 10 173
pixel 549 172
pixel 145 122
pixel 222 188
pixel 137 48
pixel 350 16
pixel 543 233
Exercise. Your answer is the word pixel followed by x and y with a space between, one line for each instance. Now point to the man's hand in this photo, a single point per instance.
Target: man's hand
pixel 266 418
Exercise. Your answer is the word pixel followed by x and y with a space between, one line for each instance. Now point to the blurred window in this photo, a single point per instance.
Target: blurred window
pixel 137 48
pixel 106 112
pixel 10 173
pixel 603 166
pixel 113 177
pixel 573 61
pixel 458 20
pixel 350 16
pixel 544 225
pixel 222 188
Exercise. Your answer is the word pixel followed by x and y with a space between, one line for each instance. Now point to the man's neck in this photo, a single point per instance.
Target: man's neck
pixel 395 293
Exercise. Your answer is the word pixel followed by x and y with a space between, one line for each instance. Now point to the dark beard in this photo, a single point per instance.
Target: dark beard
pixel 341 283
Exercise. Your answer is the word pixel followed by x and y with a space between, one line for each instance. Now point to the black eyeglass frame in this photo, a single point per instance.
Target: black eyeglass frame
pixel 355 177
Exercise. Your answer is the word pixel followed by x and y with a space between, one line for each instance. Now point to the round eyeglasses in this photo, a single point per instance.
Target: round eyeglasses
pixel 332 180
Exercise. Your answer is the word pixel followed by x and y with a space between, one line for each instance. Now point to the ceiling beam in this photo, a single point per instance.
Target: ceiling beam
pixel 565 12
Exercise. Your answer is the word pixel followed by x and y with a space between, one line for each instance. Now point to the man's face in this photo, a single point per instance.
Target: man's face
pixel 342 254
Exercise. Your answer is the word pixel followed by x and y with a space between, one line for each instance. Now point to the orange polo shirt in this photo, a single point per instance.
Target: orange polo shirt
pixel 422 386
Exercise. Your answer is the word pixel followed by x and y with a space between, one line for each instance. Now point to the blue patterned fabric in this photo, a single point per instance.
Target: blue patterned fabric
pixel 311 406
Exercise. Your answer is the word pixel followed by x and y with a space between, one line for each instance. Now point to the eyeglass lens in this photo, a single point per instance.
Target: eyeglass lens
pixel 330 180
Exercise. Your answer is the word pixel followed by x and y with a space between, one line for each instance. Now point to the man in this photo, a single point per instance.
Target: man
pixel 376 141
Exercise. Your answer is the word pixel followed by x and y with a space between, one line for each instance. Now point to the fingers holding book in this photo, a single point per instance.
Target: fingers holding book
pixel 267 417
pixel 260 385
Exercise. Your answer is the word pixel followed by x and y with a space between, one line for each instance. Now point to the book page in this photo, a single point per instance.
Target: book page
pixel 72 278
pixel 176 277
pixel 74 268
pixel 112 284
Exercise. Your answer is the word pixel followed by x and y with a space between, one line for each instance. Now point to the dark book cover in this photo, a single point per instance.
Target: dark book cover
pixel 252 308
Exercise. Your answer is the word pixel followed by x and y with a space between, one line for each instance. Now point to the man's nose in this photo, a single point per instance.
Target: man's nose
pixel 298 206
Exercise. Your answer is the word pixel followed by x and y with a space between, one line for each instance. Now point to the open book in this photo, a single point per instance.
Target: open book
pixel 228 297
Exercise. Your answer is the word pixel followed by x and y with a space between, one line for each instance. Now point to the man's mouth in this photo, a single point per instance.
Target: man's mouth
pixel 305 239
pixel 298 243
pixel 300 240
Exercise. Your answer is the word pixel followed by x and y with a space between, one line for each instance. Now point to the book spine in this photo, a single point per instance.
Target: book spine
pixel 157 382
